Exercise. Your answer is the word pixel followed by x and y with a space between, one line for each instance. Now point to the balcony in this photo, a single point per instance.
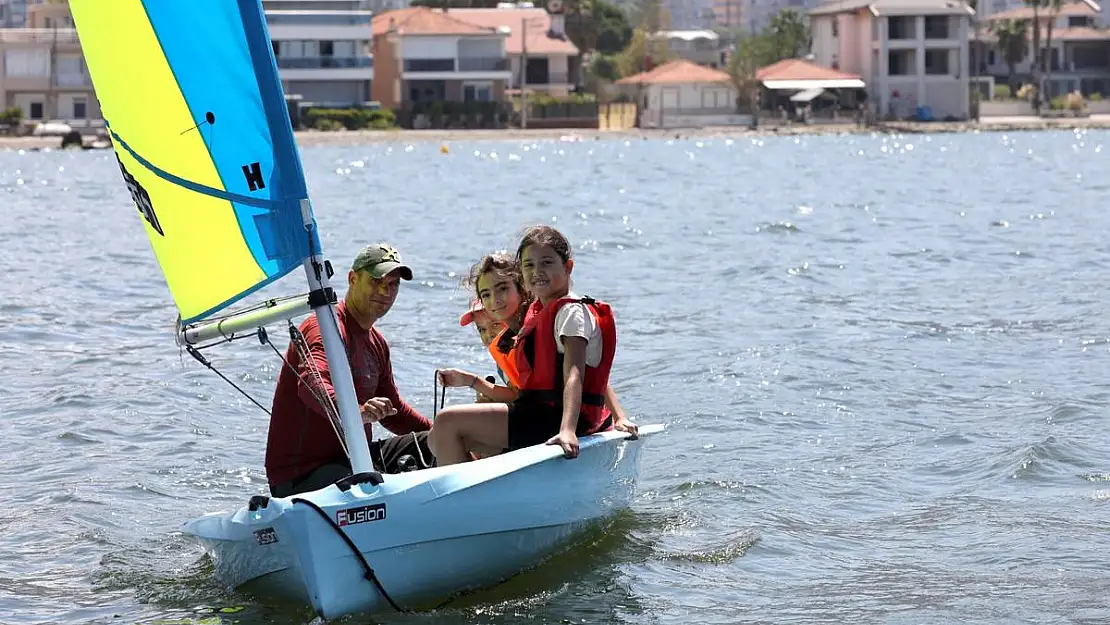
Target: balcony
pixel 487 64
pixel 429 65
pixel 325 62
pixel 73 80
pixel 319 18
pixel 60 36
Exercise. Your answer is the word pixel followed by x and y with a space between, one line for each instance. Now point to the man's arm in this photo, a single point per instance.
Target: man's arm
pixel 407 419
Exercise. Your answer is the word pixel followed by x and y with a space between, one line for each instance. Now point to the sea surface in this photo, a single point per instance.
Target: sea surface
pixel 883 362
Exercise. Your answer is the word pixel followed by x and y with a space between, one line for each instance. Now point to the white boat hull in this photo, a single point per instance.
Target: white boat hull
pixel 426 534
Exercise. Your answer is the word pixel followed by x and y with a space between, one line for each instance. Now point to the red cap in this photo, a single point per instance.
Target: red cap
pixel 468 317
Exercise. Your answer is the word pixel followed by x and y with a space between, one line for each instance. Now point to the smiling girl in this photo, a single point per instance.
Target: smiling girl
pixel 562 354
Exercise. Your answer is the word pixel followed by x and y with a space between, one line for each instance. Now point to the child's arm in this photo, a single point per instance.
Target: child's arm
pixel 501 394
pixel 574 371
pixel 621 423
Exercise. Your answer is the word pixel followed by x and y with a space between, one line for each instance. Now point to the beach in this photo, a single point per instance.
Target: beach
pixel 356 137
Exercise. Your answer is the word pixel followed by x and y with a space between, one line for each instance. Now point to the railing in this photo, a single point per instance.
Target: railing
pixel 72 80
pixel 552 78
pixel 699 111
pixel 429 65
pixel 61 36
pixel 319 18
pixel 483 64
pixel 325 62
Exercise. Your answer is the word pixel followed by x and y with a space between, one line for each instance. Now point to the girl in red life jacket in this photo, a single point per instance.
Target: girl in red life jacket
pixel 563 353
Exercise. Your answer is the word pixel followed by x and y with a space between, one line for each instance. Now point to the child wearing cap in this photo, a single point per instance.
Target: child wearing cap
pixel 488 328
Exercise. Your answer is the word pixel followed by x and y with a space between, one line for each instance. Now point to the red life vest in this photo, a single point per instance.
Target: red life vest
pixel 539 364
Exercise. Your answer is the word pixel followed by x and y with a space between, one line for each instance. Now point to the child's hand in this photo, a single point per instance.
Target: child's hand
pixel 455 377
pixel 568 441
pixel 622 424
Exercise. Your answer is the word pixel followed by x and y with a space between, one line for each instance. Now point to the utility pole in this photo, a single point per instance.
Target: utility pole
pixel 523 72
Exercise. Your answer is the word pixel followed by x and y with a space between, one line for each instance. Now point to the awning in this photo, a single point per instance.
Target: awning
pixel 845 83
pixel 807 95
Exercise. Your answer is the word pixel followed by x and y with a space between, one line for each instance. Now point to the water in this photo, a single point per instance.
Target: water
pixel 882 360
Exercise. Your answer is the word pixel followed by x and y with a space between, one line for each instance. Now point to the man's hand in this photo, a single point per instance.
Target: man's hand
pixel 377 408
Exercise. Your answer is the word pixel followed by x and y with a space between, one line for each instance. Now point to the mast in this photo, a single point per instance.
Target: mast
pixel 321 297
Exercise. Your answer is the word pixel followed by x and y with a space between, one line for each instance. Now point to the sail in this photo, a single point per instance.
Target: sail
pixel 191 96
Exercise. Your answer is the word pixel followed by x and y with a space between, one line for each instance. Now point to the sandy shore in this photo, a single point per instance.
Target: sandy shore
pixel 356 137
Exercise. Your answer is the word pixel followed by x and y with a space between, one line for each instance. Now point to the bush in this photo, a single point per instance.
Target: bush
pixel 1095 97
pixel 1002 92
pixel 351 119
pixel 1026 92
pixel 11 116
pixel 324 123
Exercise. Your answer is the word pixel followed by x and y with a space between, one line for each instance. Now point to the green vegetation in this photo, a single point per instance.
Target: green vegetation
pixel 350 119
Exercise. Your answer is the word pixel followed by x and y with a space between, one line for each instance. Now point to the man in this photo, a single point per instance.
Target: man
pixel 303 449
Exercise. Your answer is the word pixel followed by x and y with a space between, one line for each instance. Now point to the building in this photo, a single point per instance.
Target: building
pixel 43 71
pixel 552 63
pixel 912 55
pixel 13 13
pixel 681 94
pixel 697 46
pixel 322 49
pixel 425 55
pixel 1079 56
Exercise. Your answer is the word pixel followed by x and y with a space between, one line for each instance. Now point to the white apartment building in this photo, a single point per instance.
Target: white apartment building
pixel 323 49
pixel 912 55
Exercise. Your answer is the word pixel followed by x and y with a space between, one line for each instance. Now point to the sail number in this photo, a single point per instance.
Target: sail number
pixel 141 198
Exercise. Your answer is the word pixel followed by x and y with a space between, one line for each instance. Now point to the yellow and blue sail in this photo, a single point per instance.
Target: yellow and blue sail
pixel 191 96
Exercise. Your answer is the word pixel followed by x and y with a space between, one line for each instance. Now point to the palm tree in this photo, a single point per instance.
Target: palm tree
pixel 1053 7
pixel 1038 66
pixel 1013 40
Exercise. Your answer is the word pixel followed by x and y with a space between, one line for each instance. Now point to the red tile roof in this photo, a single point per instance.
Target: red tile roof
pixel 539 23
pixel 797 69
pixel 680 71
pixel 1083 7
pixel 1081 33
pixel 426 21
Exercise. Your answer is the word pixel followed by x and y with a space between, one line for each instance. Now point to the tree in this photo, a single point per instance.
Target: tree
pixel 749 54
pixel 1038 65
pixel 1013 40
pixel 1053 7
pixel 597 25
pixel 788 34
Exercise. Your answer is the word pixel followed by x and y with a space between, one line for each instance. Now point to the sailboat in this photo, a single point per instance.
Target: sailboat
pixel 195 111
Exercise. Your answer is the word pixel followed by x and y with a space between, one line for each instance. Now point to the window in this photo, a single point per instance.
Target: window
pixel 79 108
pixel 900 63
pixel 276 47
pixel 36 110
pixel 836 26
pixel 1077 21
pixel 26 63
pixel 936 27
pixel 478 92
pixel 901 28
pixel 327 48
pixel 936 62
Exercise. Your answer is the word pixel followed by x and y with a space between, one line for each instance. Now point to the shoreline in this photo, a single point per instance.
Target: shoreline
pixel 359 137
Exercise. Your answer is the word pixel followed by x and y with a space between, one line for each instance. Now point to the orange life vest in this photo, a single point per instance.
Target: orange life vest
pixel 501 350
pixel 539 365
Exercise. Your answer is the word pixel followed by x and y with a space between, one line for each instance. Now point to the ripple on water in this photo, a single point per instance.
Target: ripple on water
pixel 884 387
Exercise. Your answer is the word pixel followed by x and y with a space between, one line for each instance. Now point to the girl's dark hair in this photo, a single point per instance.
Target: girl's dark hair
pixel 544 235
